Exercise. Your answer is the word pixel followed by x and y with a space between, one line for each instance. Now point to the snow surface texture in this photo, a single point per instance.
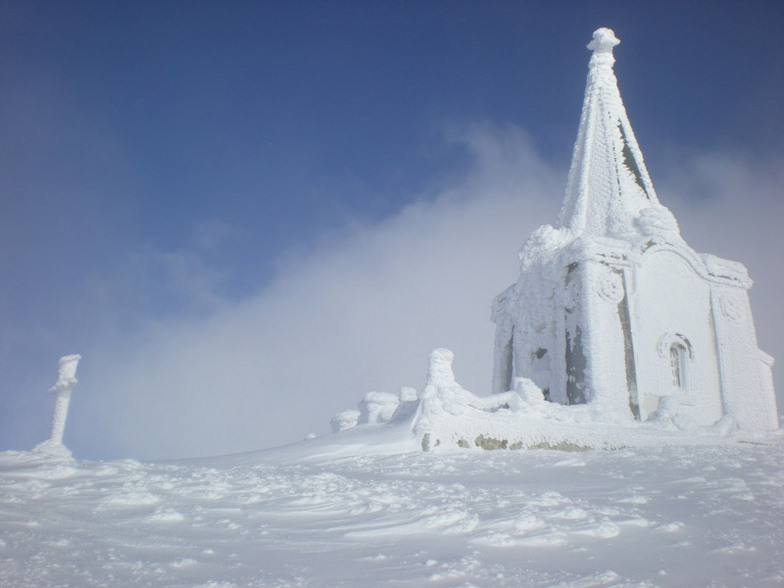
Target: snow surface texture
pixel 337 511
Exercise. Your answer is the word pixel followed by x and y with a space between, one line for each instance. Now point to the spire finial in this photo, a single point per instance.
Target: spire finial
pixel 603 41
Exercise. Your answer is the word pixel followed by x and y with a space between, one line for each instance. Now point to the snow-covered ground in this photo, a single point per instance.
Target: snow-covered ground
pixel 339 511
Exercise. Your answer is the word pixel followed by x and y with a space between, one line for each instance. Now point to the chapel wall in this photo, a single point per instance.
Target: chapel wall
pixel 670 309
pixel 745 371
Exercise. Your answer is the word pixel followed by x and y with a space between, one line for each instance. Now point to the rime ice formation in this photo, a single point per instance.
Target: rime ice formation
pixel 375 408
pixel 608 184
pixel 616 332
pixel 613 309
pixel 66 380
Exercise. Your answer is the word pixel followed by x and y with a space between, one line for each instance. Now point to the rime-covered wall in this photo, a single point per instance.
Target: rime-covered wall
pixel 671 305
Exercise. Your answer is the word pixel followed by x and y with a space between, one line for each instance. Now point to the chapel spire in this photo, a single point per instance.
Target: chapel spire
pixel 608 184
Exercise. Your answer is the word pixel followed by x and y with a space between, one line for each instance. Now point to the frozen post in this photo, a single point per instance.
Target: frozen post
pixel 66 380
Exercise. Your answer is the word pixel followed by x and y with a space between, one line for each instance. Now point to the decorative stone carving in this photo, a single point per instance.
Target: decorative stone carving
pixel 610 287
pixel 730 308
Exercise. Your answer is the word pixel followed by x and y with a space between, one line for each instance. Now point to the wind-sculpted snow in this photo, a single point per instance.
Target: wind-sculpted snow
pixel 669 516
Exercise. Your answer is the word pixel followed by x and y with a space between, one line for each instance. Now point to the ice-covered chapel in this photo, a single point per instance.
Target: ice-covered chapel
pixel 616 333
pixel 614 310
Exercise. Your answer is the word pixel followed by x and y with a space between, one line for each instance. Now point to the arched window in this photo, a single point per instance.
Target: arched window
pixel 678 356
pixel 677 349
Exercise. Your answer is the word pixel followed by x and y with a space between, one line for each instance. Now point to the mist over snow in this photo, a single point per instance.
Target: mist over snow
pixel 362 309
pixel 359 312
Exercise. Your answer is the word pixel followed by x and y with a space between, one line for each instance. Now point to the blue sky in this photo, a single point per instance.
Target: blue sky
pixel 246 215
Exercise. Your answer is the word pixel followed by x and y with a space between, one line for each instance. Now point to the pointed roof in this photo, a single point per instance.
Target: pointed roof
pixel 608 184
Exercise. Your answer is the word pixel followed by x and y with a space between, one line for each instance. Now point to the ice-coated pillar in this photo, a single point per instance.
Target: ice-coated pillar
pixel 66 380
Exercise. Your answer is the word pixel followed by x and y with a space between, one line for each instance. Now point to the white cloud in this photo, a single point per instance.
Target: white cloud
pixel 362 311
pixel 359 312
